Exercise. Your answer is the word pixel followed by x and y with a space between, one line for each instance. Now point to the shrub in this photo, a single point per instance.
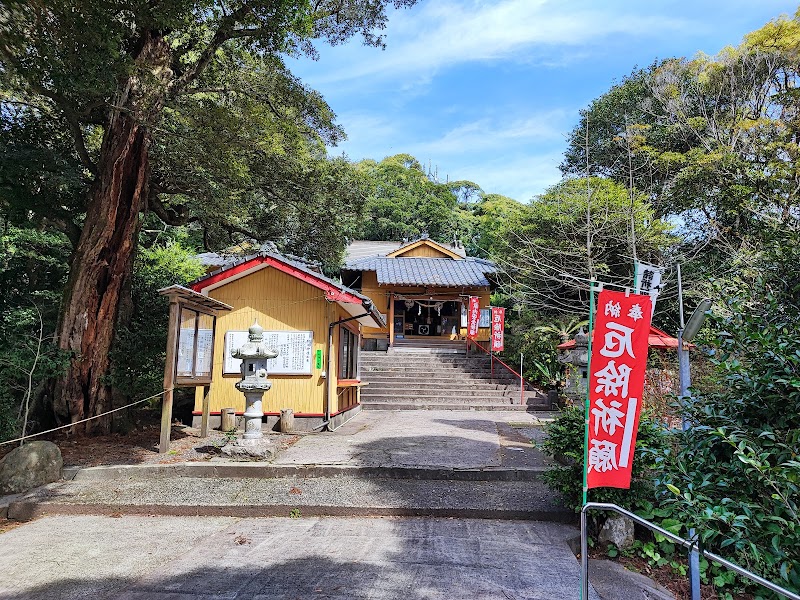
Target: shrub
pixel 140 346
pixel 737 474
pixel 565 442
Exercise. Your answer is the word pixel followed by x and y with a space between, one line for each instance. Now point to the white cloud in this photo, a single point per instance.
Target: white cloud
pixel 520 175
pixel 491 134
pixel 449 32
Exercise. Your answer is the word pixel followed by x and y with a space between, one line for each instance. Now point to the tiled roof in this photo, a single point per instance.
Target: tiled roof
pixel 358 249
pixel 655 339
pixel 300 265
pixel 467 272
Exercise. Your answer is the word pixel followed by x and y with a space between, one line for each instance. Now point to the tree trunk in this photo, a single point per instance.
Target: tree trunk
pixel 103 260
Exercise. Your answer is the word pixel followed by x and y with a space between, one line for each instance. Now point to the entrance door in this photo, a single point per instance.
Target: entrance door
pixel 422 318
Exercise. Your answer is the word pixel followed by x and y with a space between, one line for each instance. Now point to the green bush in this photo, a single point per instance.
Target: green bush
pixel 737 473
pixel 565 443
pixel 33 271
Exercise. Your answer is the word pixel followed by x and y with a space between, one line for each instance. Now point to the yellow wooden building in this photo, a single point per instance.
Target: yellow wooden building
pixel 315 324
pixel 421 287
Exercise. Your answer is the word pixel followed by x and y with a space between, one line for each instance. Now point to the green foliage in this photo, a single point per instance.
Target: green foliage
pixel 140 345
pixel 522 337
pixel 546 253
pixel 405 201
pixel 565 443
pixel 496 218
pixel 32 272
pixel 737 474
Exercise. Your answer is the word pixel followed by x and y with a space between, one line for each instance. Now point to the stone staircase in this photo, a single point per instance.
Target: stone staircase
pixel 445 379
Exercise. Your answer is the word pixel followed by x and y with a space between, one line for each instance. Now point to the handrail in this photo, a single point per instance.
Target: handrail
pixel 509 369
pixel 497 359
pixel 691 545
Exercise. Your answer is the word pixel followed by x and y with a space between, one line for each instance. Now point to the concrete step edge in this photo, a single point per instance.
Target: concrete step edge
pixel 271 471
pixel 26 511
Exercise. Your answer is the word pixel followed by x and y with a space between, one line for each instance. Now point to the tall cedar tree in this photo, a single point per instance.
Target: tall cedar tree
pixel 111 69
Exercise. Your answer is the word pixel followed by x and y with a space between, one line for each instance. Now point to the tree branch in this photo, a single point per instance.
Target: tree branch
pixel 171 216
pixel 224 32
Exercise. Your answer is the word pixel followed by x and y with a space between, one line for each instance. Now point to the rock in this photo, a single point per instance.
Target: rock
pixel 29 466
pixel 257 449
pixel 617 530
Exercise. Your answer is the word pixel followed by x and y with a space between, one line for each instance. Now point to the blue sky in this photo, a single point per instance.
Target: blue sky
pixel 488 90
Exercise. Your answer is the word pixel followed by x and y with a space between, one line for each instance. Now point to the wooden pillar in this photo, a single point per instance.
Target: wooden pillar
pixel 206 411
pixel 391 319
pixel 169 375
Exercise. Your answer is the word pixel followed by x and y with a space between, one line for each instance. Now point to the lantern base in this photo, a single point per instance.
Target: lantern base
pixel 253 415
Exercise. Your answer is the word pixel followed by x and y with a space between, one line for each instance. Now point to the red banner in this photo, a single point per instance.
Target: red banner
pixel 473 317
pixel 619 359
pixel 498 327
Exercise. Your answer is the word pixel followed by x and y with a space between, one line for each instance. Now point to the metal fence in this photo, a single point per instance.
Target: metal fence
pixel 690 545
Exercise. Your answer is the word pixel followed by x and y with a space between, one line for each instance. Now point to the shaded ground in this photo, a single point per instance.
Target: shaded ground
pixel 426 438
pixel 173 558
pixel 140 446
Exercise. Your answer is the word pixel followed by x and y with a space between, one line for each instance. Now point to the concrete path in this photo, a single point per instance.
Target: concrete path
pixel 367 502
pixel 140 558
pixel 422 438
pixel 281 496
pixel 403 463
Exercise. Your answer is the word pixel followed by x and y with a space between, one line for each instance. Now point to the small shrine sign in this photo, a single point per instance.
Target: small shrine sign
pixel 474 317
pixel 498 327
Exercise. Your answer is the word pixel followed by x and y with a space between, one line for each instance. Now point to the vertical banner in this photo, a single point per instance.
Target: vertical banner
pixel 473 317
pixel 619 360
pixel 498 328
pixel 648 281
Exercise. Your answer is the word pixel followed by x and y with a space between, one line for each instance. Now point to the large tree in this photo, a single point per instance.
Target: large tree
pixel 110 75
pixel 406 200
pixel 575 231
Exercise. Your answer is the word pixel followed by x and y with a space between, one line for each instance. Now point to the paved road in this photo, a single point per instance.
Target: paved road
pixel 426 438
pixel 178 558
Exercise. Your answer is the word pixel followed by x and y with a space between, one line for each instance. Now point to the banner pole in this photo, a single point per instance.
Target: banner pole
pixel 588 392
pixel 584 551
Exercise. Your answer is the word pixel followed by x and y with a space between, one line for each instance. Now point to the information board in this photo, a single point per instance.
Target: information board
pixel 186 357
pixel 294 348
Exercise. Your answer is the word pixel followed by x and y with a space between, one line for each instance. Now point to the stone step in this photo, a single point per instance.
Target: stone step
pixel 453 387
pixel 478 406
pixel 421 362
pixel 282 496
pixel 429 369
pixel 404 392
pixel 495 398
pixel 462 380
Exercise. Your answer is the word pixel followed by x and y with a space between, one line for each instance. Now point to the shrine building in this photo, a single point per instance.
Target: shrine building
pixel 422 288
pixel 412 293
pixel 313 322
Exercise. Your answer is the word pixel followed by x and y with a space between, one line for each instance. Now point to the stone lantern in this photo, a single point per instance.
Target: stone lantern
pixel 577 360
pixel 254 355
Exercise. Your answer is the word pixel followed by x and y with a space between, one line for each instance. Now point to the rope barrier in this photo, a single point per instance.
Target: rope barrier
pixel 84 420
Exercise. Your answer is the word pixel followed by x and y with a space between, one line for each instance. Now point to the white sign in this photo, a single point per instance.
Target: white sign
pixel 295 352
pixel 648 281
pixel 485 318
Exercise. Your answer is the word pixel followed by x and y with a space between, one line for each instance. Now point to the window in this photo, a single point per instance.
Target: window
pixel 348 354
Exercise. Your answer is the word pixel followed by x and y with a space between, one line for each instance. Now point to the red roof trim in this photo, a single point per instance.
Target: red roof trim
pixel 332 292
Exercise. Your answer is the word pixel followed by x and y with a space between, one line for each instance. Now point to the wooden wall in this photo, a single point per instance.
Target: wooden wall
pixel 380 298
pixel 279 302
pixel 423 251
